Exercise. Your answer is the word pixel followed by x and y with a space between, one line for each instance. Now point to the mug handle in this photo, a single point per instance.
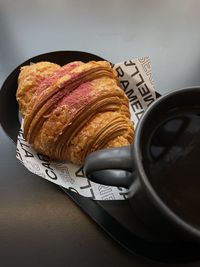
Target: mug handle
pixel 112 166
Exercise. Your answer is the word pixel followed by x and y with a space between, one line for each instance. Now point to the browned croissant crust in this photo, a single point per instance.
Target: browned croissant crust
pixel 73 110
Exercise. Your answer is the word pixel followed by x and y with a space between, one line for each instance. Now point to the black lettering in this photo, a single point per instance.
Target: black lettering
pixel 104 189
pixel 136 105
pixel 120 71
pixel 125 84
pixel 80 172
pixel 18 155
pixel 141 82
pixel 135 73
pixel 47 165
pixel 28 154
pixel 108 197
pixel 22 144
pixel 89 186
pixel 21 134
pixel 86 186
pixel 123 194
pixel 144 90
pixel 131 95
pixel 112 65
pixel 129 63
pixel 149 99
pixel 139 114
pixel 51 174
pixel 92 193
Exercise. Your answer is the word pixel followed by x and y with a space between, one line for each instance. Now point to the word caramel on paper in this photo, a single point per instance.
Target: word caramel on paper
pixel 136 80
pixel 135 77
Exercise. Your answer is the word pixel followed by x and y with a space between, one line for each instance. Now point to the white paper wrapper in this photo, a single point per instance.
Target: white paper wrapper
pixel 136 80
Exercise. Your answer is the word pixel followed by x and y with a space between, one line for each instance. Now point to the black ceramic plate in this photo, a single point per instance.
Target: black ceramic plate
pixel 115 218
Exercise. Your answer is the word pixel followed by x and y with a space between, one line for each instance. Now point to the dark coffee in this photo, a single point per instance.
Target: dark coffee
pixel 172 163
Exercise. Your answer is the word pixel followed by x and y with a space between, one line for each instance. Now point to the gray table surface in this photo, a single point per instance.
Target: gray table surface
pixel 39 224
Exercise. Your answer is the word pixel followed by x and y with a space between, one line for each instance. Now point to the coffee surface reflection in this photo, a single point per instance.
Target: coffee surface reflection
pixel 172 163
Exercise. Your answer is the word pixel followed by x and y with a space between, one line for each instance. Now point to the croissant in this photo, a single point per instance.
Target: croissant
pixel 72 110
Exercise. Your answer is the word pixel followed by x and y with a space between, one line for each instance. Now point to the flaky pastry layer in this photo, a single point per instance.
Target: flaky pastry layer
pixel 72 110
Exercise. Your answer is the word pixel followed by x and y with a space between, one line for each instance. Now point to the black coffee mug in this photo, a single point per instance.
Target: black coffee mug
pixel 162 167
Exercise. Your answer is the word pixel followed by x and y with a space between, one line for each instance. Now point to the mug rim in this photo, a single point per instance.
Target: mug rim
pixel 192 230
